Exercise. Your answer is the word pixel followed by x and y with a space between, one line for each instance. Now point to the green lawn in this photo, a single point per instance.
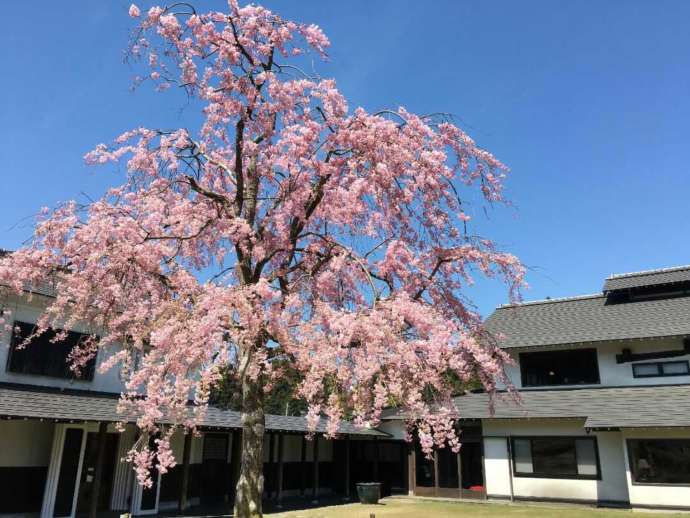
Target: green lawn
pixel 404 508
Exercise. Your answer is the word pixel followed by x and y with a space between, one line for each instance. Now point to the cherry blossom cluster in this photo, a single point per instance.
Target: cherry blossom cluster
pixel 285 226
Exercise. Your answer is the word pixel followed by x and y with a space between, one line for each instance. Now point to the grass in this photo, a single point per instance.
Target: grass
pixel 410 508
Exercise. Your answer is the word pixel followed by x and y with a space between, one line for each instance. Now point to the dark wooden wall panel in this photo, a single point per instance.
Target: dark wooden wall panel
pixel 21 489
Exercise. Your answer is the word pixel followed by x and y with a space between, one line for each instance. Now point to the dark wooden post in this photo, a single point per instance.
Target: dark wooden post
pixel 315 489
pixel 235 458
pixel 184 486
pixel 347 467
pixel 459 460
pixel 271 465
pixel 436 472
pixel 303 466
pixel 411 469
pixel 281 441
pixel 376 459
pixel 98 474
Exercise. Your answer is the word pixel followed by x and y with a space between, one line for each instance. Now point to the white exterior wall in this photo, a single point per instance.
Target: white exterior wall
pixel 655 495
pixel 498 467
pixel 25 443
pixel 22 311
pixel 613 486
pixel 611 373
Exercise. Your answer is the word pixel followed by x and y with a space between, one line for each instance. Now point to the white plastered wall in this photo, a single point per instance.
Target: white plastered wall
pixel 498 468
pixel 656 495
pixel 24 310
pixel 25 443
pixel 613 374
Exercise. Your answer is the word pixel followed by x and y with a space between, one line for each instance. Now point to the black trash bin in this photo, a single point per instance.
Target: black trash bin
pixel 369 492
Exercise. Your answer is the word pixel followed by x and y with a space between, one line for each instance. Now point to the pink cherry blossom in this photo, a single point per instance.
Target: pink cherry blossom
pixel 284 226
pixel 134 11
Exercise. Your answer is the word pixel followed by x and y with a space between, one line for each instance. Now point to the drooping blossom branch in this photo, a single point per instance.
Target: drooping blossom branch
pixel 286 225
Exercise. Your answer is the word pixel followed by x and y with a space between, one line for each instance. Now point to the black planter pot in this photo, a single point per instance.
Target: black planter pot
pixel 369 492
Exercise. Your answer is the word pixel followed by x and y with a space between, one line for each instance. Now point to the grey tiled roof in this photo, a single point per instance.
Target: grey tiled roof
pixel 615 407
pixel 588 319
pixel 647 278
pixel 44 404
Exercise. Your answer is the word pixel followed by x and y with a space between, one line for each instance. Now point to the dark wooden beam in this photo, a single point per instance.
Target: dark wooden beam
pixel 98 474
pixel 403 467
pixel 347 467
pixel 184 485
pixel 628 356
pixel 303 466
pixel 236 458
pixel 459 461
pixel 271 465
pixel 279 489
pixel 411 469
pixel 376 460
pixel 315 466
pixel 436 472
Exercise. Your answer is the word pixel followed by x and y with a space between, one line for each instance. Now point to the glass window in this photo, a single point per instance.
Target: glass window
pixel 215 446
pixel 586 457
pixel 522 454
pixel 447 468
pixel 555 457
pixel 675 368
pixel 570 367
pixel 43 356
pixel 657 369
pixel 659 461
pixel 643 370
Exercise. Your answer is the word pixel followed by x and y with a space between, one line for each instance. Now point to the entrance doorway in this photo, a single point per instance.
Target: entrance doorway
pixel 472 471
pixel 145 499
pixel 215 471
pixel 88 472
pixel 452 475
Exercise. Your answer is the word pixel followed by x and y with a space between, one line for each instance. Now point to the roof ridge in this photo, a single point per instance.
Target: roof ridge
pixel 549 301
pixel 648 272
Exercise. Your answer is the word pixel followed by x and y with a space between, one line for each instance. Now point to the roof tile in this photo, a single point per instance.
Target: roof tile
pixel 610 407
pixel 588 319
pixel 37 404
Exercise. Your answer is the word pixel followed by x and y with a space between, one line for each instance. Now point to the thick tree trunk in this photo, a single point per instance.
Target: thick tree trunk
pixel 250 484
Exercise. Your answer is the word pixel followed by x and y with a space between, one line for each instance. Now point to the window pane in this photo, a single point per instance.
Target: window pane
pixel 447 468
pixel 646 369
pixel 661 461
pixel 44 357
pixel 677 368
pixel 522 453
pixel 571 367
pixel 586 457
pixel 554 456
pixel 215 446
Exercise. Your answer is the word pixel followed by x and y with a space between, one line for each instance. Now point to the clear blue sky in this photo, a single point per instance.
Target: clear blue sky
pixel 586 101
